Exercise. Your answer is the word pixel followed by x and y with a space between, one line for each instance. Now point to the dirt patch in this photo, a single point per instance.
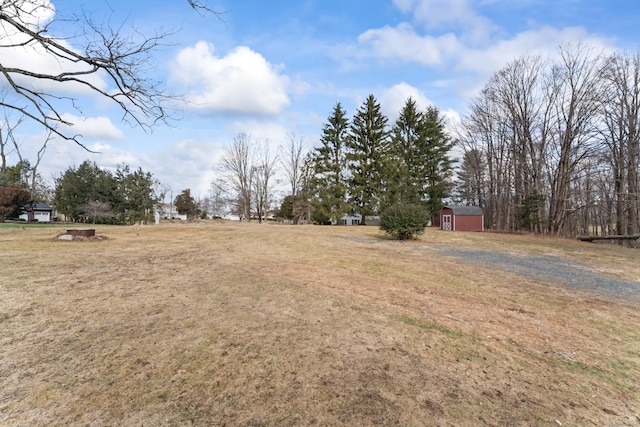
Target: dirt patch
pixel 234 324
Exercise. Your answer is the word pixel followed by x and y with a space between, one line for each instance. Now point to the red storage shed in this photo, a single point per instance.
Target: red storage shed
pixel 461 218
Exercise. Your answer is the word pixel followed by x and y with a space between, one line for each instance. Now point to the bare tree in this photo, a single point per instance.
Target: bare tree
pixel 487 132
pixel 534 126
pixel 122 58
pixel 518 92
pixel 292 162
pixel 31 168
pixel 262 173
pixel 579 91
pixel 471 183
pixel 218 196
pixel 7 139
pixel 97 210
pixel 620 110
pixel 236 165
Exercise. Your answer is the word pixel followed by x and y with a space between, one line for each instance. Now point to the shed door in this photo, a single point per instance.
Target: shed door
pixel 446 222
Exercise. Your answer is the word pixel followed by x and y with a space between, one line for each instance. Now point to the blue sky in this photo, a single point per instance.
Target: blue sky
pixel 273 68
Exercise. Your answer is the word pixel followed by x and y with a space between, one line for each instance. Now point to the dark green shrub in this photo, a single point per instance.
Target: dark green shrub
pixel 404 222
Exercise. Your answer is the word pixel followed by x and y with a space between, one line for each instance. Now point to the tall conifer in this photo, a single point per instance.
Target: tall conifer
pixel 328 183
pixel 367 153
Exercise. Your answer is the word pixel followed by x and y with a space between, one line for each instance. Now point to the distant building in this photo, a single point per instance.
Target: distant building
pixel 228 215
pixel 356 219
pixel 40 212
pixel 169 211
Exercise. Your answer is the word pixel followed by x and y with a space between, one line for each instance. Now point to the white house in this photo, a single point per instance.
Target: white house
pixel 356 219
pixel 228 215
pixel 353 219
pixel 169 211
pixel 38 211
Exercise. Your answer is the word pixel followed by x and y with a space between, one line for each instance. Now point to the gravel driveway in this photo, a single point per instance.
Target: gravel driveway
pixel 553 269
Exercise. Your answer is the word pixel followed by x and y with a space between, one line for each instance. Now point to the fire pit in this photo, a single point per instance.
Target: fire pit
pixel 82 232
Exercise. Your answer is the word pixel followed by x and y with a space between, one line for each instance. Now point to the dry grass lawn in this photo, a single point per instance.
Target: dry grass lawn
pixel 265 325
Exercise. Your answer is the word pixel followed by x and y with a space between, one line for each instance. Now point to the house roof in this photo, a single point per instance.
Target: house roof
pixel 465 210
pixel 39 206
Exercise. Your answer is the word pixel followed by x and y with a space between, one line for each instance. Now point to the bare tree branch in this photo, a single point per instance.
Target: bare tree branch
pixel 110 63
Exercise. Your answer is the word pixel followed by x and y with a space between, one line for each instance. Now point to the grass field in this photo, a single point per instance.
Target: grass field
pixel 224 324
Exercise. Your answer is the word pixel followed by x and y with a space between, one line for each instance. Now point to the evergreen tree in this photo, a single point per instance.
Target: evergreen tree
pixel 15 175
pixel 408 146
pixel 421 166
pixel 127 196
pixel 77 187
pixel 367 157
pixel 327 184
pixel 134 196
pixel 186 204
pixel 438 166
pixel 286 208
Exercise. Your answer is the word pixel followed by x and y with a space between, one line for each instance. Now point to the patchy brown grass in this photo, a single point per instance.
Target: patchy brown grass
pixel 235 324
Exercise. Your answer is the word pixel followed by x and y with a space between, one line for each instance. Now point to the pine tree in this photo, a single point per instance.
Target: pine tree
pixel 78 186
pixel 327 182
pixel 420 167
pixel 186 204
pixel 134 194
pixel 367 152
pixel 408 142
pixel 437 166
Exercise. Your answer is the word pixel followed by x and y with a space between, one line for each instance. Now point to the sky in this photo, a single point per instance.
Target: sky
pixel 275 69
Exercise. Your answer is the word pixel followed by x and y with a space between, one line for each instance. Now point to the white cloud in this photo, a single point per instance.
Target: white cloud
pixel 405 44
pixel 93 127
pixel 241 82
pixel 109 157
pixel 261 130
pixel 452 34
pixel 543 41
pixel 34 14
pixel 402 42
pixel 436 14
pixel 186 164
pixel 393 99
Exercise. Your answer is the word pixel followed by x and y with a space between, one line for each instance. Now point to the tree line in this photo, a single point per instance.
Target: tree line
pixel 361 166
pixel 364 165
pixel 88 193
pixel 551 145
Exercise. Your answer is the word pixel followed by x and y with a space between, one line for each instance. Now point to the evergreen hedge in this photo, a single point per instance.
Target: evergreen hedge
pixel 404 222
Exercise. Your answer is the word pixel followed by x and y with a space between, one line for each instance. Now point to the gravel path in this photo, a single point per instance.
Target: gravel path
pixel 555 270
